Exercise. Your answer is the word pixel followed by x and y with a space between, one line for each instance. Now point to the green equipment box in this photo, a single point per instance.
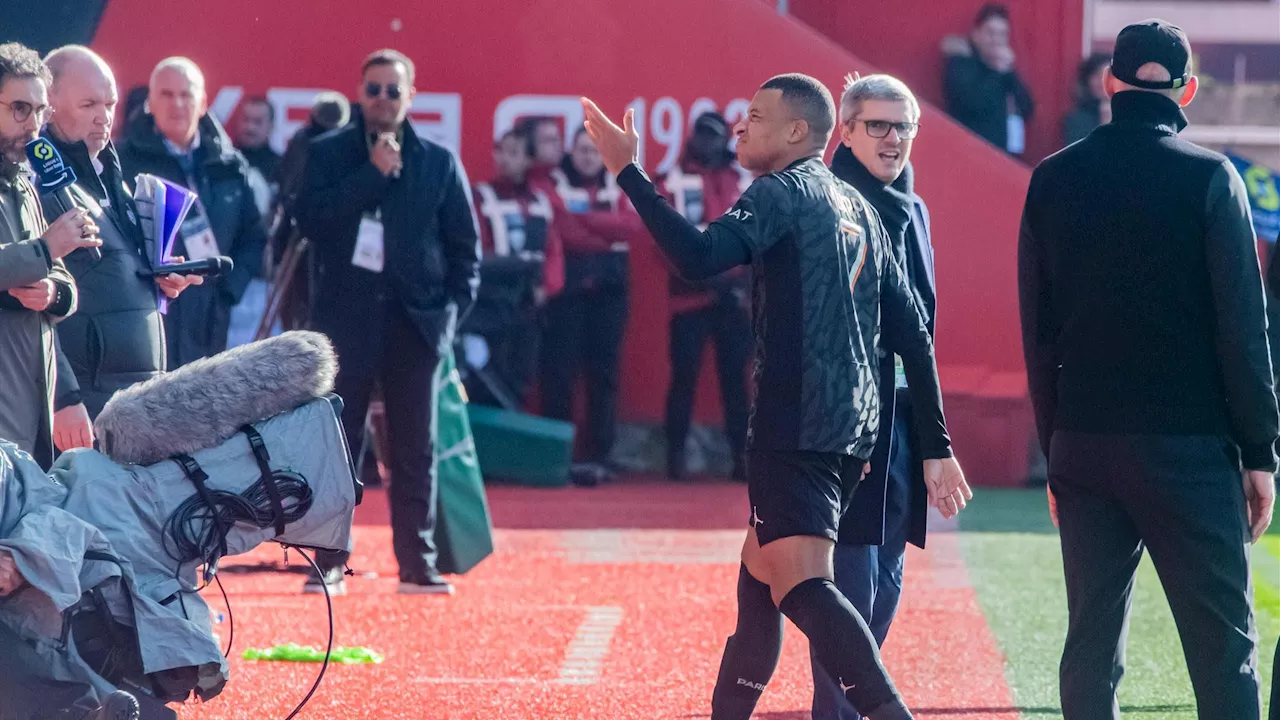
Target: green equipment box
pixel 519 448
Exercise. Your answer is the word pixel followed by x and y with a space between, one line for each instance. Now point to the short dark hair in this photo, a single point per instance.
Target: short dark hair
pixel 259 100
pixel 387 56
pixel 529 125
pixel 991 10
pixel 19 61
pixel 810 100
pixel 524 138
pixel 1091 65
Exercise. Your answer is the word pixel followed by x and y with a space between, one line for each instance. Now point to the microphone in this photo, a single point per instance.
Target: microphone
pixel 203 403
pixel 53 177
pixel 209 267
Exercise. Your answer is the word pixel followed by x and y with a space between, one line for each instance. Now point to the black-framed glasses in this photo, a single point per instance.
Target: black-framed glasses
pixel 880 128
pixel 374 90
pixel 22 110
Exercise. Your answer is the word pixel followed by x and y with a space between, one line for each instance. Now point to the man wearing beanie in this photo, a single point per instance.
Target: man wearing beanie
pixel 1144 329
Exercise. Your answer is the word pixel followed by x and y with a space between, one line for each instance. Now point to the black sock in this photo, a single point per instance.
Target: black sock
pixel 750 654
pixel 844 646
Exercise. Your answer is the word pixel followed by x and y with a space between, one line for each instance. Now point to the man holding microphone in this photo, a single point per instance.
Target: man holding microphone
pixel 398 256
pixel 35 289
pixel 1145 334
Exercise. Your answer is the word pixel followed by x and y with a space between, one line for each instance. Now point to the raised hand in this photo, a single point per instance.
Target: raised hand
pixel 618 146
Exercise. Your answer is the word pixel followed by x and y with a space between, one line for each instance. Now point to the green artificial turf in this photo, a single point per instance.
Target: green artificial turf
pixel 1011 549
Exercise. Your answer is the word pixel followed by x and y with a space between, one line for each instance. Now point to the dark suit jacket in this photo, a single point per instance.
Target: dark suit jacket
pixel 430 237
pixel 864 522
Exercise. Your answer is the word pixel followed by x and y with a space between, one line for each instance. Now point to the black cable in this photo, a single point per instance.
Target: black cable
pixel 197 528
pixel 231 620
pixel 328 601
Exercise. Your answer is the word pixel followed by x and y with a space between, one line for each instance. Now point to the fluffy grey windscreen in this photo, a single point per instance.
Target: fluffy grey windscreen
pixel 202 404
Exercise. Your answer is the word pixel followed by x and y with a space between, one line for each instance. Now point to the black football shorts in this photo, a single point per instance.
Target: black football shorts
pixel 799 492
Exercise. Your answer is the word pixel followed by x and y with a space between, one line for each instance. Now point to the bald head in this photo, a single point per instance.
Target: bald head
pixel 176 99
pixel 83 96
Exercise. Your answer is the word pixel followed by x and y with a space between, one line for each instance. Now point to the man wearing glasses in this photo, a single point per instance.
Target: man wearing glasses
pixel 879 121
pixel 36 290
pixel 397 249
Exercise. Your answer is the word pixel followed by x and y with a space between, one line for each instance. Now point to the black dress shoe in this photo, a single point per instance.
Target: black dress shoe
pixel 430 583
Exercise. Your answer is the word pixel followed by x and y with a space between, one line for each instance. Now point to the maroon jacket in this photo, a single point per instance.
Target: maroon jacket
pixel 702 195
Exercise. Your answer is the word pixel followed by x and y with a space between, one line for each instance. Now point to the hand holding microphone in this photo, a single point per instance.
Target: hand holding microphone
pixel 54 178
pixel 70 232
pixel 386 155
pixel 172 284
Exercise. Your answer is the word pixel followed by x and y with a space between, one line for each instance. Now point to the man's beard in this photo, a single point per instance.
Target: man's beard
pixel 14 149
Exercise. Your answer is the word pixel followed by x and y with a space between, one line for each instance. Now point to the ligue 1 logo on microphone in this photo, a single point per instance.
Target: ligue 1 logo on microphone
pixel 42 150
pixel 46 163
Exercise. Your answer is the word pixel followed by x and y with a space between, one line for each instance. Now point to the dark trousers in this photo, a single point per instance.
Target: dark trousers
pixel 729 326
pixel 1179 497
pixel 871 575
pixel 585 329
pixel 402 363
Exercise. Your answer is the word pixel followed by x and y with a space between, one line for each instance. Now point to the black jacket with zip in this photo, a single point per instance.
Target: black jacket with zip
pixel 116 338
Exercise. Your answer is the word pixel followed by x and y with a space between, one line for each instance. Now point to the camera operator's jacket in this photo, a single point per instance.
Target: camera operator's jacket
pixel 27 340
pixel 116 338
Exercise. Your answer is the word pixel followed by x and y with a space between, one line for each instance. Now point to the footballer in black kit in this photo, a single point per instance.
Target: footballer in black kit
pixel 826 295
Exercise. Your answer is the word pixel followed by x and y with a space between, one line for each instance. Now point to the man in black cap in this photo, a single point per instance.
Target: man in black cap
pixel 1144 327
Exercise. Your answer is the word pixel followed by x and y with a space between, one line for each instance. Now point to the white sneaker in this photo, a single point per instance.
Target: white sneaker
pixel 336 583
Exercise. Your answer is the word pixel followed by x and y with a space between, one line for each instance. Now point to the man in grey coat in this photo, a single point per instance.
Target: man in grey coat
pixel 35 289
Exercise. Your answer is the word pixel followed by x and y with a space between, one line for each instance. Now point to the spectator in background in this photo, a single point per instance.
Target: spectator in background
pixel 981 88
pixel 329 110
pixel 116 338
pixel 135 104
pixel 702 187
pixel 253 140
pixel 548 144
pixel 1093 107
pixel 523 266
pixel 36 291
pixel 398 265
pixel 586 323
pixel 178 140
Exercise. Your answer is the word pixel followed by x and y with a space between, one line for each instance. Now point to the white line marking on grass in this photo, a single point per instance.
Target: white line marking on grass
pixel 670 547
pixel 590 646
pixel 583 659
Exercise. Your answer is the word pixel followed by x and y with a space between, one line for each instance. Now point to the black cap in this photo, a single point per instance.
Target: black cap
pixel 1152 41
pixel 712 122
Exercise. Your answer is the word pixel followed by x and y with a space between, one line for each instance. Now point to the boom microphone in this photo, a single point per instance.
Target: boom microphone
pixel 210 267
pixel 53 177
pixel 205 402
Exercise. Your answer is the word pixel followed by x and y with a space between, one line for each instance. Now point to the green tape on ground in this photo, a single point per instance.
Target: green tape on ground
pixel 292 652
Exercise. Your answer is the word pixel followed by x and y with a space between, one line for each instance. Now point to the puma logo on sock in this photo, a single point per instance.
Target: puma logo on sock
pixel 845 688
pixel 753 686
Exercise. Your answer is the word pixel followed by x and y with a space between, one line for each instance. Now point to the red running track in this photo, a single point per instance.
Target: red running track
pixel 609 603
